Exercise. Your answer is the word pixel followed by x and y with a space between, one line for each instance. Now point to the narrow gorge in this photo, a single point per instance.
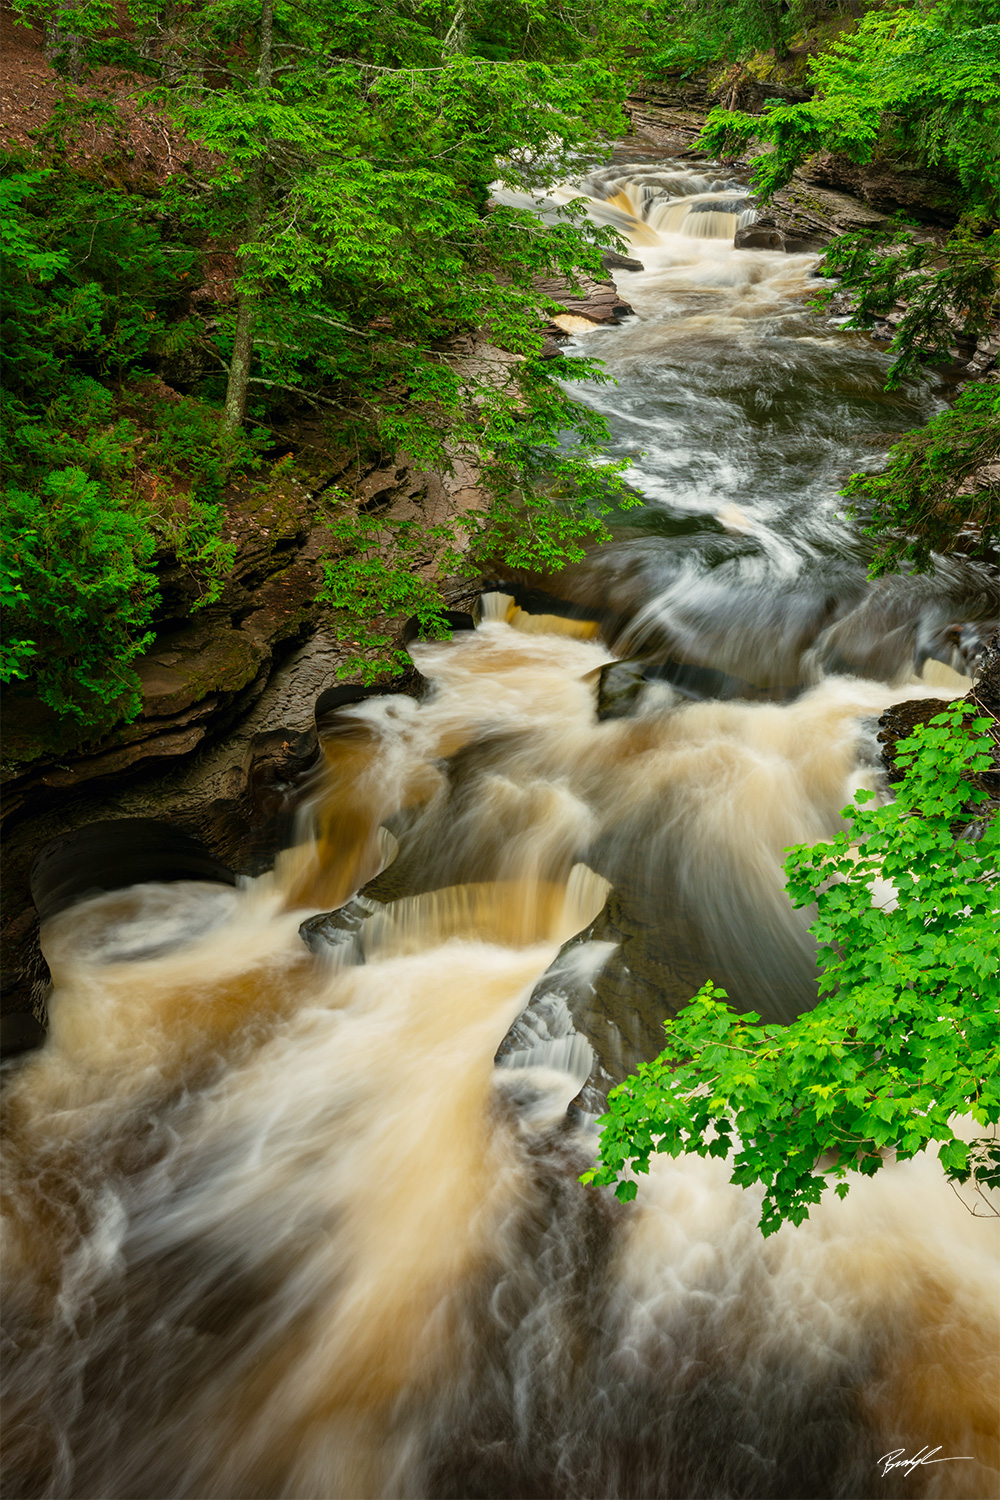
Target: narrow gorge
pixel 294 1200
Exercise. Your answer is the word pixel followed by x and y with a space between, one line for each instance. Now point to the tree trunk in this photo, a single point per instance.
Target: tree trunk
pixel 246 307
pixel 64 45
pixel 239 365
pixel 161 41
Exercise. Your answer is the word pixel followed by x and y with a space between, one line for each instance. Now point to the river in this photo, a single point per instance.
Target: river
pixel 278 1224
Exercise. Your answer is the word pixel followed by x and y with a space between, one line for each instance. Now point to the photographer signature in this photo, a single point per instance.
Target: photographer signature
pixel 897 1459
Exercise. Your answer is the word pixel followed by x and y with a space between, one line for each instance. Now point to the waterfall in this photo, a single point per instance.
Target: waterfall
pixel 291 1191
pixel 669 202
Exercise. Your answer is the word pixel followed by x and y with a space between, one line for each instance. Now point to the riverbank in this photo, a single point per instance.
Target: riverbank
pixel 234 681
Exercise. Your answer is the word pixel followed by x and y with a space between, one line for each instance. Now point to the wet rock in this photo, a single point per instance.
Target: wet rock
pixel 552 346
pixel 337 935
pixel 109 856
pixel 597 302
pixel 620 685
pixel 986 683
pixel 763 235
pixel 887 186
pixel 695 681
pixel 20 1031
pixel 647 976
pixel 899 721
pixel 657 958
pixel 808 216
pixel 344 695
pixel 986 354
pixel 612 261
pixel 723 206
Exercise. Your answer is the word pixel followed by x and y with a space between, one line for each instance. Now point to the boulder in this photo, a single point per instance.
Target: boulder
pixel 619 686
pixel 612 261
pixel 596 302
pixel 759 236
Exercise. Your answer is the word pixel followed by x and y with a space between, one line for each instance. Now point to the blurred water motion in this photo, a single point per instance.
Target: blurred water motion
pixel 276 1225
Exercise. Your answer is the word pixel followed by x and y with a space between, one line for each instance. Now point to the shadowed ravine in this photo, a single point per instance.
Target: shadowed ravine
pixel 276 1224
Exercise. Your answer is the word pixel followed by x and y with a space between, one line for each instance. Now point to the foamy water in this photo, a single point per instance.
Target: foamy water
pixel 275 1225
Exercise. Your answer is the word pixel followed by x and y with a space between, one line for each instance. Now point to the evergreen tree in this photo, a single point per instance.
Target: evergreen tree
pixel 353 150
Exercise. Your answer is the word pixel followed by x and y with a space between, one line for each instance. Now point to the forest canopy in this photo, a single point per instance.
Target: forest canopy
pixel 345 159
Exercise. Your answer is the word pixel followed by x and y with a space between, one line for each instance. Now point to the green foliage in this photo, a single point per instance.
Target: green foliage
pixel 927 498
pixel 948 291
pixel 548 503
pixel 347 157
pixel 355 171
pixel 24 256
pixel 353 151
pixel 695 34
pixel 926 83
pixel 905 1035
pixel 357 193
pixel 742 27
pixel 88 285
pixel 381 569
pixel 76 576
pixel 90 288
pixel 187 443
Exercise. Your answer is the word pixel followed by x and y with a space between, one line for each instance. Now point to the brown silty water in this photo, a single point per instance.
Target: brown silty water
pixel 277 1224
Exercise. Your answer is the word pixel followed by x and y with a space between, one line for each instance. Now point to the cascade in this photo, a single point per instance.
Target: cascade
pixel 291 1197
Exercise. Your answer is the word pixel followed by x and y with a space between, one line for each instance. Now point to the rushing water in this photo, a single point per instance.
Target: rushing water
pixel 276 1224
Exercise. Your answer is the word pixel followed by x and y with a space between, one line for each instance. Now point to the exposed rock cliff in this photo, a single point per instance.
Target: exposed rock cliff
pixel 829 195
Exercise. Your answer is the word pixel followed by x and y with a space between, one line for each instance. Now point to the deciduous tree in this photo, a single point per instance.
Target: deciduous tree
pixel 905 1036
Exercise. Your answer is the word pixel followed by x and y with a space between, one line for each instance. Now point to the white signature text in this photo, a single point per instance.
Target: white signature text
pixel 897 1459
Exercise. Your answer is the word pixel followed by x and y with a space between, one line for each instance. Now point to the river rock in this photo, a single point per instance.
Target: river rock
pixel 657 956
pixel 20 1031
pixel 620 685
pixel 887 186
pixel 596 302
pixel 899 721
pixel 612 261
pixel 763 235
